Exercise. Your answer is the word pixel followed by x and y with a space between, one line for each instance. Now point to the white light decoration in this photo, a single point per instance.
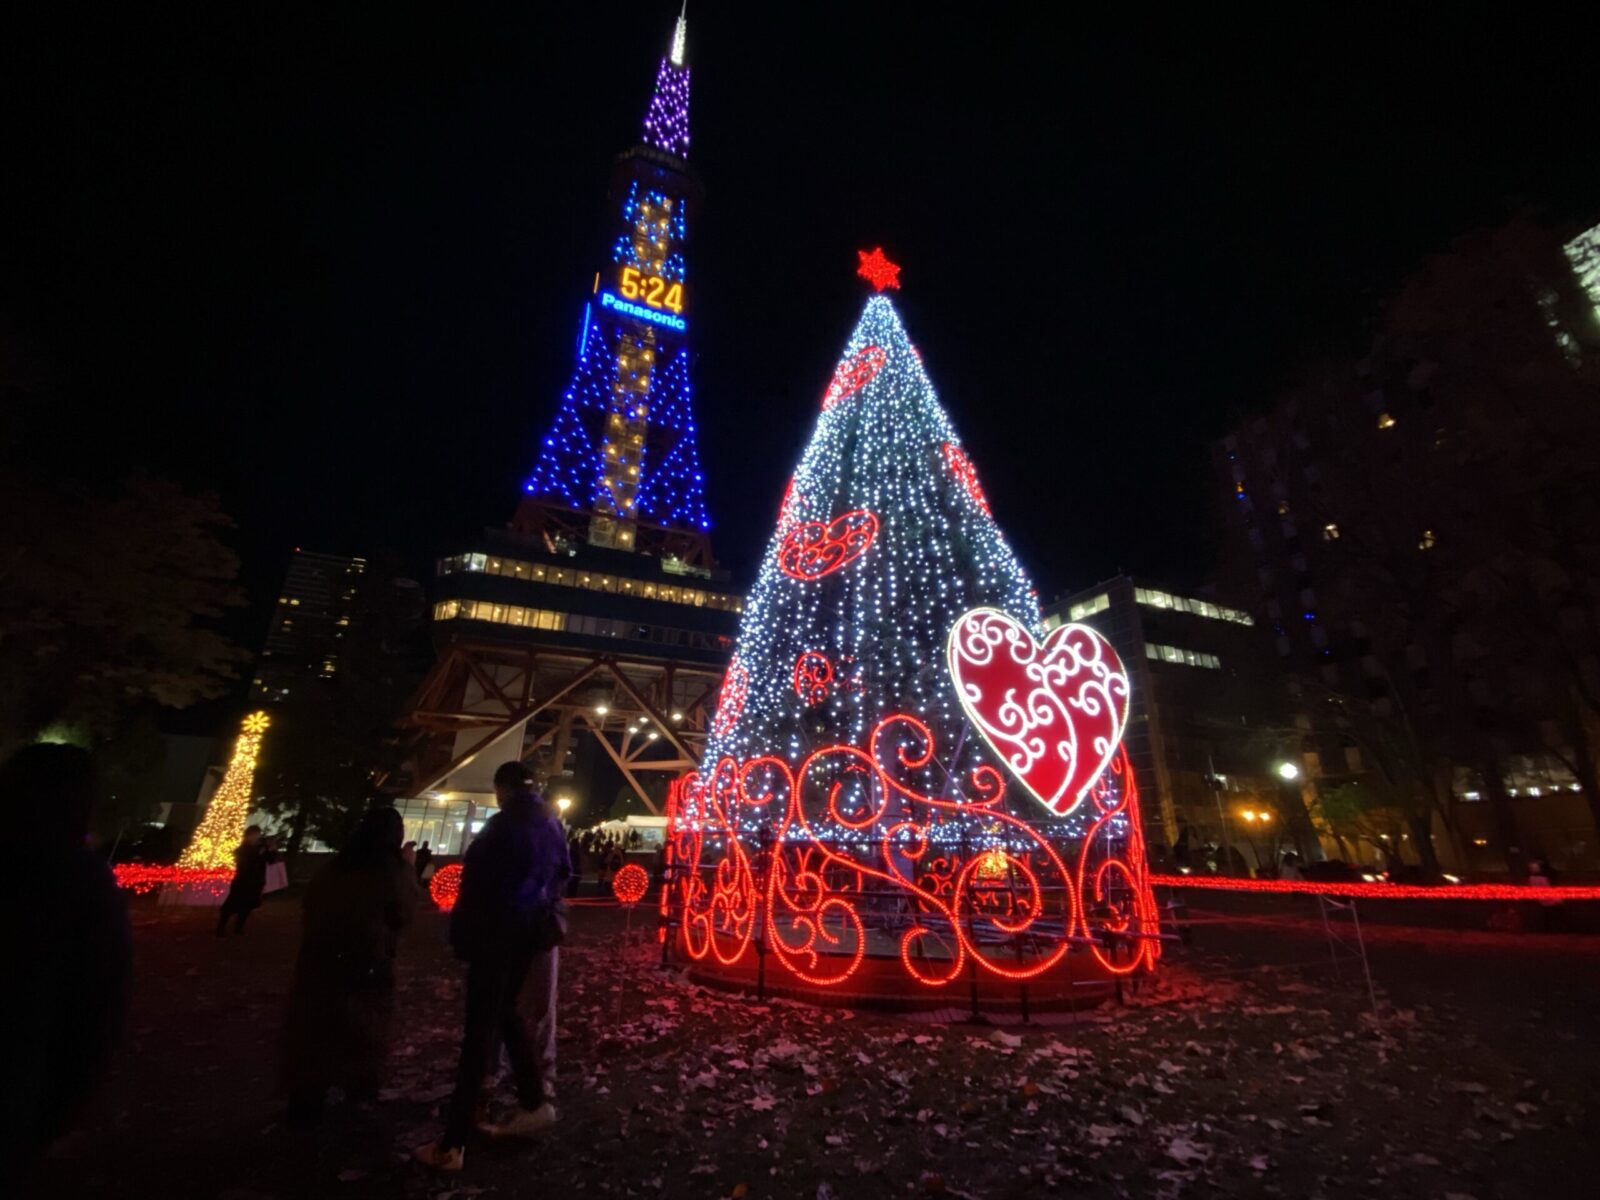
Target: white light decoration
pixel 680 38
pixel 882 616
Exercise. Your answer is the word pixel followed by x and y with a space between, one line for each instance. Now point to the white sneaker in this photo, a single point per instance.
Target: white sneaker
pixel 529 1121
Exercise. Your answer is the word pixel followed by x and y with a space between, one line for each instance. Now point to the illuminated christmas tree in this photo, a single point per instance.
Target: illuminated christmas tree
pixel 222 828
pixel 899 769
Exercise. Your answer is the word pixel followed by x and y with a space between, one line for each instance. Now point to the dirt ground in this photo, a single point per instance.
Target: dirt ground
pixel 1247 1070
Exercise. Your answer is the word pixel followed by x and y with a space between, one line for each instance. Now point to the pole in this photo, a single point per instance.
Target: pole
pixel 1366 970
pixel 622 975
pixel 976 1017
pixel 1215 781
pixel 762 867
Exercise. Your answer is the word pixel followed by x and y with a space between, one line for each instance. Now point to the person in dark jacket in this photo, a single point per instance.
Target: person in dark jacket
pixel 424 858
pixel 341 1004
pixel 505 916
pixel 250 862
pixel 71 956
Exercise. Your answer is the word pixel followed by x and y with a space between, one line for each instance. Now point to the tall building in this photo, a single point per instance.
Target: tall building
pixel 597 621
pixel 1194 665
pixel 1357 504
pixel 313 612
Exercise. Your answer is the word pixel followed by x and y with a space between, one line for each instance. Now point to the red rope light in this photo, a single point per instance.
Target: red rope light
pixel 1380 891
pixel 853 374
pixel 1014 911
pixel 140 878
pixel 876 268
pixel 446 886
pixel 813 676
pixel 812 549
pixel 630 884
pixel 966 474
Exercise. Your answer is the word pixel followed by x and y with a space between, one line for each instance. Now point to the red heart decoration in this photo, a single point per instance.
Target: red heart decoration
pixel 1053 712
pixel 853 374
pixel 811 549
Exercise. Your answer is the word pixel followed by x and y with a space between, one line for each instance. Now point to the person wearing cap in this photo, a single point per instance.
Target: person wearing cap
pixel 506 915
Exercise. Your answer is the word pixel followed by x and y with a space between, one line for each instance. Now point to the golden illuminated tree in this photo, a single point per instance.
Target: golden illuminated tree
pixel 227 815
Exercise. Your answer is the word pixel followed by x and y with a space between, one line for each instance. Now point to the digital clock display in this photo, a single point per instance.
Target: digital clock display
pixel 652 290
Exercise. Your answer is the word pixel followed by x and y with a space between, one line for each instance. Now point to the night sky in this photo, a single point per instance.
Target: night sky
pixel 331 262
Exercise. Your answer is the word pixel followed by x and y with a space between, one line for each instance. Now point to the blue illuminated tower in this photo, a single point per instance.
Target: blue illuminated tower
pixel 619 467
pixel 591 636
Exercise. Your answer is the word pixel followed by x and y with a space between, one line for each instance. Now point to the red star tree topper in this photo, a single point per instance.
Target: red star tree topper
pixel 877 270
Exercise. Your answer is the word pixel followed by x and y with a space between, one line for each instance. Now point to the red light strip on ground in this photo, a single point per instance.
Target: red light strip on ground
pixel 1380 891
pixel 140 878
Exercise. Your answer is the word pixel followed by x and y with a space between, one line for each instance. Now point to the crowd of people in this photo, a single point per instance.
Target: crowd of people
pixel 507 926
pixel 607 851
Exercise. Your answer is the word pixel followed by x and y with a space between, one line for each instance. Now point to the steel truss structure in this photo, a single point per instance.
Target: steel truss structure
pixel 650 715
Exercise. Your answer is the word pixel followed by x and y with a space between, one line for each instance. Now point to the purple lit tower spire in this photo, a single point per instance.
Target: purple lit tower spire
pixel 666 125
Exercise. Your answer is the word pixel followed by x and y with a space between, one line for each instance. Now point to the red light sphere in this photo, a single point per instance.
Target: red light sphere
pixel 631 883
pixel 446 886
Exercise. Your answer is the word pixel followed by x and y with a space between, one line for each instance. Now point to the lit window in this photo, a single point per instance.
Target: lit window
pixel 1172 654
pixel 1088 608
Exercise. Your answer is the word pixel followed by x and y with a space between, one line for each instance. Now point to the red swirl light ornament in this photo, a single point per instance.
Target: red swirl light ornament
pixel 961 467
pixel 730 703
pixel 1496 893
pixel 813 677
pixel 446 886
pixel 630 884
pixel 853 374
pixel 811 549
pixel 1053 712
pixel 848 828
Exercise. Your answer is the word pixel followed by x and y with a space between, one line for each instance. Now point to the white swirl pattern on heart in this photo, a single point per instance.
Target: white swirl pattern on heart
pixel 1054 713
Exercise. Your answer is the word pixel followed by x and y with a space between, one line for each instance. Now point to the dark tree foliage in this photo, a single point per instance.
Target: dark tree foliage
pixel 107 604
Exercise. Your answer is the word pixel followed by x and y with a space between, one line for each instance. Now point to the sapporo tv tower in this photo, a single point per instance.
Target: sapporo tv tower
pixel 619 467
pixel 596 626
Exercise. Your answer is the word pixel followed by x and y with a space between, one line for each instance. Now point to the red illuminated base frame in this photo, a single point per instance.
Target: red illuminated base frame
pixel 879 983
pixel 861 876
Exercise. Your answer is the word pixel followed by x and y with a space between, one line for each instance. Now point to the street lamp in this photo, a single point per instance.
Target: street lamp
pixel 1288 772
pixel 564 803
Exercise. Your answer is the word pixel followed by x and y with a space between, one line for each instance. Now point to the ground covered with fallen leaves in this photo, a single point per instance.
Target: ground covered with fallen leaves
pixel 1247 1069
